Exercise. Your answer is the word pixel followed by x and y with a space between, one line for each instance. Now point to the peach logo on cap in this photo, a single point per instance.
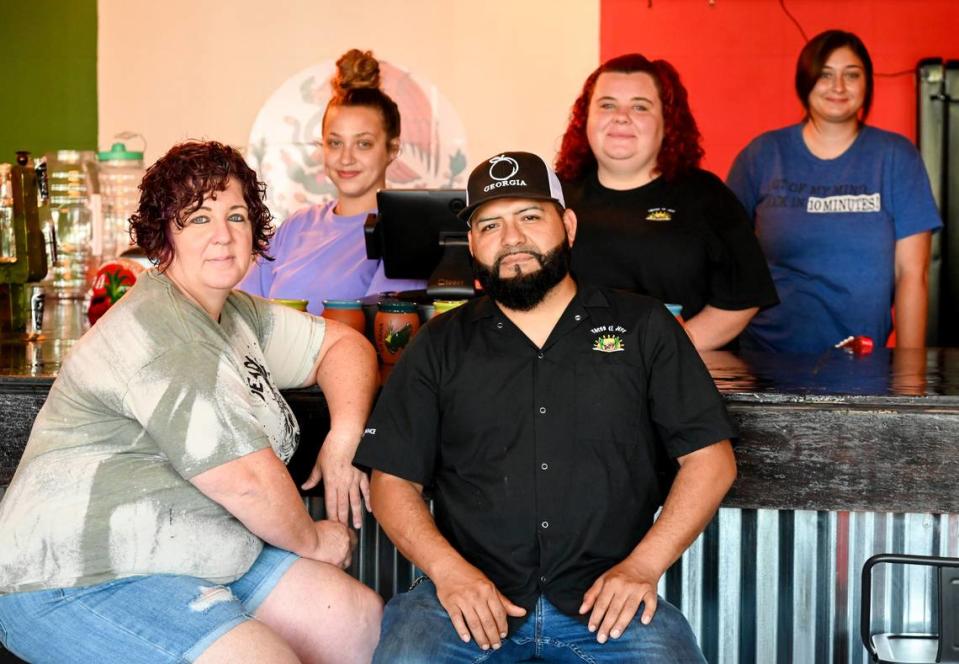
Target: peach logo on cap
pixel 500 159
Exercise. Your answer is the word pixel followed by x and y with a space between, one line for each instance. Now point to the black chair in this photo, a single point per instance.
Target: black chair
pixel 915 648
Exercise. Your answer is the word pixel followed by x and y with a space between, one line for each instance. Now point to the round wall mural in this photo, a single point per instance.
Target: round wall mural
pixel 284 145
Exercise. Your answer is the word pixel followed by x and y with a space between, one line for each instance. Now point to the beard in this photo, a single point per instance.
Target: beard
pixel 524 291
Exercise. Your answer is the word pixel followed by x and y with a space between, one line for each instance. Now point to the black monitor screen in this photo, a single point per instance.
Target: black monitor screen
pixel 410 228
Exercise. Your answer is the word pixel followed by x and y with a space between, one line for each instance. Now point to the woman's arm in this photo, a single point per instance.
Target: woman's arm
pixel 346 371
pixel 257 490
pixel 912 289
pixel 713 328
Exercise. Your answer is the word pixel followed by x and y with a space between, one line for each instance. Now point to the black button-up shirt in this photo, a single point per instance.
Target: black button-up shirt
pixel 541 461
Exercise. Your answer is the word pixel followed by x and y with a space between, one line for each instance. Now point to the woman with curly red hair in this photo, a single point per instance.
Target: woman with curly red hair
pixel 650 220
pixel 151 518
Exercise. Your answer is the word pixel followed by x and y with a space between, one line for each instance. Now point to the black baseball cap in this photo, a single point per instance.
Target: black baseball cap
pixel 511 175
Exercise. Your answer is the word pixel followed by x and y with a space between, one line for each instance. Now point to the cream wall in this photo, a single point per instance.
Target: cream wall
pixel 203 68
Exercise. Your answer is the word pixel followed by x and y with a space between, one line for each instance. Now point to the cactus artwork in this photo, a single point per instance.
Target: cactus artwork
pixel 396 340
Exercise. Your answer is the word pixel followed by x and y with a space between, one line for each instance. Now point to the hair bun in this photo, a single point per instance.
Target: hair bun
pixel 356 69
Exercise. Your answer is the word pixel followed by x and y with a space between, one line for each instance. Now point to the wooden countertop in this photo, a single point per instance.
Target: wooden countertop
pixel 836 431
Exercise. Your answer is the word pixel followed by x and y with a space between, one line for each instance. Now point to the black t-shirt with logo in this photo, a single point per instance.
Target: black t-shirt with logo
pixel 685 242
pixel 542 461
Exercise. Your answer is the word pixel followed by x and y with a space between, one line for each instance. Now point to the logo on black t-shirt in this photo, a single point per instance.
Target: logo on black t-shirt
pixel 611 341
pixel 660 214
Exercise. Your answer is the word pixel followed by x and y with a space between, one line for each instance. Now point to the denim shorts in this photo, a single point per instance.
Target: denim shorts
pixel 136 620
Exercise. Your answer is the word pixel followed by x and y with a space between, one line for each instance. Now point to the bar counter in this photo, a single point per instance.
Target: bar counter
pixel 839 457
pixel 829 432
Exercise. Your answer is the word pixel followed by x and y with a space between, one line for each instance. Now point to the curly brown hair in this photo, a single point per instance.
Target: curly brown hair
pixel 681 150
pixel 174 188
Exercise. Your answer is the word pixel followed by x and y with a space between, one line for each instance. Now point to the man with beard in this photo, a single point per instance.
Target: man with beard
pixel 534 417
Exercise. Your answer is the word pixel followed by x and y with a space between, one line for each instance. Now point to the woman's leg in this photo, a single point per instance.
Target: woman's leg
pixel 323 613
pixel 250 641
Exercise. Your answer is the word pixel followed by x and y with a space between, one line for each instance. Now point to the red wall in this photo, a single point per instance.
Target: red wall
pixel 738 57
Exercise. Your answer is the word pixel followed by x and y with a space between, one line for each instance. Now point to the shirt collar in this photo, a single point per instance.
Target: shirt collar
pixel 484 308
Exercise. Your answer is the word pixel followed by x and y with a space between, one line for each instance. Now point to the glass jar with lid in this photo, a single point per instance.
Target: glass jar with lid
pixel 120 173
pixel 72 180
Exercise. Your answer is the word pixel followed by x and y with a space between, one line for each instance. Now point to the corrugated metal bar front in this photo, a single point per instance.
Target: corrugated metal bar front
pixel 783 586
pixel 768 586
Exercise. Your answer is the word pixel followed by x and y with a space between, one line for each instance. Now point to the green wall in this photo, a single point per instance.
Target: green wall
pixel 48 76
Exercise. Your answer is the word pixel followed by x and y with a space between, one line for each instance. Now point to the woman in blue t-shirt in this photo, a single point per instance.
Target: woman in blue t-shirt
pixel 843 211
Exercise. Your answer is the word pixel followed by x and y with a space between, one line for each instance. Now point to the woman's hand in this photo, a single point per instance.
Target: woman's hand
pixel 334 543
pixel 346 371
pixel 344 486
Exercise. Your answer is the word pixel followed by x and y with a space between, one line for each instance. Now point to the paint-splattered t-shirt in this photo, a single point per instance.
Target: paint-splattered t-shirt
pixel 154 394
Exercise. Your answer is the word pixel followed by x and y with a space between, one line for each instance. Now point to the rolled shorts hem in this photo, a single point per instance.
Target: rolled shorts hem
pixel 211 637
pixel 268 584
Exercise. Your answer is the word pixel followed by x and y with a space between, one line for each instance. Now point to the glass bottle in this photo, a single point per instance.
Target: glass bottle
pixel 8 243
pixel 24 259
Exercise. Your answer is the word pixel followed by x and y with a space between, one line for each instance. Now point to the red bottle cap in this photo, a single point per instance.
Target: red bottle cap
pixel 858 345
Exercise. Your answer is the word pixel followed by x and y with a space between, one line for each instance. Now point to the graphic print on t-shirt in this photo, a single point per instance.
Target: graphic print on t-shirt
pixel 261 385
pixel 660 214
pixel 862 203
pixel 822 198
pixel 609 338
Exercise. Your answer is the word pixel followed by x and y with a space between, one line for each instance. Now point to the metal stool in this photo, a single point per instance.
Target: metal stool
pixel 915 648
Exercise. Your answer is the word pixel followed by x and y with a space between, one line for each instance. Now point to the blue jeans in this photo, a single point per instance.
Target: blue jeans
pixel 136 620
pixel 417 630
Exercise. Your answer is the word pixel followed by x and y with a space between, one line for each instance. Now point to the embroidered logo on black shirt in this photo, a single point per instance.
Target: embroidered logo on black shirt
pixel 660 214
pixel 609 343
pixel 608 338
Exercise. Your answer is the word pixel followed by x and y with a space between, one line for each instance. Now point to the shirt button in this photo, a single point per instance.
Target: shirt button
pixel 542 410
pixel 545 466
pixel 578 317
pixel 540 355
pixel 545 524
pixel 542 579
pixel 499 325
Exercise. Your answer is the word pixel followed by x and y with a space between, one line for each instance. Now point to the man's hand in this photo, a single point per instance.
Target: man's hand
pixel 334 543
pixel 474 605
pixel 615 597
pixel 343 484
